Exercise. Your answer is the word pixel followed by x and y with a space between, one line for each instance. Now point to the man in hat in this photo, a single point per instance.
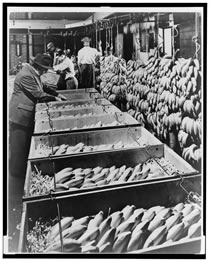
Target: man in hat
pixel 86 62
pixel 28 90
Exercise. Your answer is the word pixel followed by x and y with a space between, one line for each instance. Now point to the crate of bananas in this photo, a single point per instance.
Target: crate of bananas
pixel 82 173
pixel 88 142
pixel 97 121
pixel 76 112
pixel 77 104
pixel 153 216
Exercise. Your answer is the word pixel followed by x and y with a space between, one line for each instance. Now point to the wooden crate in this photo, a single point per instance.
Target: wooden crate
pixel 165 193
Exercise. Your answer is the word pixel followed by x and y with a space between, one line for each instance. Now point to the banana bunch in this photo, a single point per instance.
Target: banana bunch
pixel 191 126
pixel 125 230
pixel 192 154
pixel 113 74
pixel 82 178
pixel 138 116
pixel 168 96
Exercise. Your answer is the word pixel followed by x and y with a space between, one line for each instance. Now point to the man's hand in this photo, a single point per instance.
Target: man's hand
pixel 62 97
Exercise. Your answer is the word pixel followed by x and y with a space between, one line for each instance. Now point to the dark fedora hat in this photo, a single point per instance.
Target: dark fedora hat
pixel 42 60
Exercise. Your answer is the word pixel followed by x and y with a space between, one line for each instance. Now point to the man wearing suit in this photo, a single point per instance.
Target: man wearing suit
pixel 28 90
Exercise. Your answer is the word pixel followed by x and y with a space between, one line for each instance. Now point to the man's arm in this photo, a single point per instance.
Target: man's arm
pixel 62 66
pixel 29 84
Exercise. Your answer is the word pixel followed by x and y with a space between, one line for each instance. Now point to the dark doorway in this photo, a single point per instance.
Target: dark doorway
pixel 128 46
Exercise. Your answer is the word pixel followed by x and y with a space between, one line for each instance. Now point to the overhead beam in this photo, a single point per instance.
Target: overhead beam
pixel 96 16
pixel 39 24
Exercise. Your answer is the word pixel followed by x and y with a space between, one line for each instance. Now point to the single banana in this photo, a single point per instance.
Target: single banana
pixel 194 230
pixel 65 223
pixel 88 180
pixel 121 242
pixel 77 171
pixel 125 226
pixel 175 232
pixel 88 173
pixel 187 209
pixel 105 172
pixel 69 245
pixel 77 182
pixel 179 207
pixel 155 223
pixel 128 211
pixel 164 213
pixel 64 175
pixel 155 237
pixel 193 217
pixel 148 214
pixel 173 220
pixel 104 226
pixel 89 235
pixel 73 232
pixel 112 175
pixel 74 188
pixel 60 187
pixel 90 249
pixel 96 221
pixel 137 240
pixel 143 226
pixel 116 217
pixel 105 248
pixel 138 211
pixel 135 176
pixel 125 176
pixel 61 150
pixel 156 209
pixel 107 237
pixel 101 182
pixel 97 169
pixel 112 168
pixel 81 221
pixel 136 217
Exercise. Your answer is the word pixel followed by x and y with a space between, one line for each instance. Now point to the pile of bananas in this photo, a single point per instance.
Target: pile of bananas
pixel 113 75
pixel 126 230
pixel 70 106
pixel 43 150
pixel 167 97
pixel 79 178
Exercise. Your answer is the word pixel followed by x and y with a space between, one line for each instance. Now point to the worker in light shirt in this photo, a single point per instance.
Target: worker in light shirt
pixel 86 62
pixel 66 71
